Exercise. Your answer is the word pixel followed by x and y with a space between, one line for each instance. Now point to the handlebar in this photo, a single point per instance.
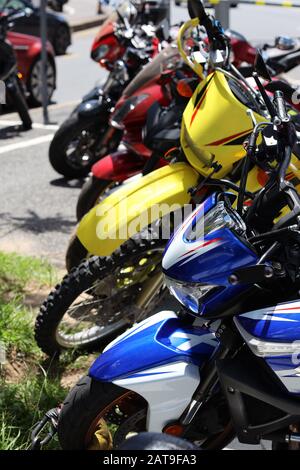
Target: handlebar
pixel 280 106
pixel 190 24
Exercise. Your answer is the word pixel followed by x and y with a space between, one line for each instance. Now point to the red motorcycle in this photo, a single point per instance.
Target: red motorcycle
pixel 123 45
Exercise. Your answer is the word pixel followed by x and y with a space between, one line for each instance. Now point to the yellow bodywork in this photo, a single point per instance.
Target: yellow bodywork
pixel 134 206
pixel 215 124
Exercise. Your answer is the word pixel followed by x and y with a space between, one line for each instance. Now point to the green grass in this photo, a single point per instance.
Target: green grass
pixel 17 271
pixel 24 399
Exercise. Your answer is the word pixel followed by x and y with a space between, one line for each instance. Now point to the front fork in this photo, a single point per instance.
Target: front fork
pixel 228 340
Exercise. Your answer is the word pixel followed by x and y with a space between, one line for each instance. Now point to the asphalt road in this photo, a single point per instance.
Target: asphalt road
pixel 37 211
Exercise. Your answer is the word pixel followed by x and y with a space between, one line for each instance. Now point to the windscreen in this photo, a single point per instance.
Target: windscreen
pixel 166 59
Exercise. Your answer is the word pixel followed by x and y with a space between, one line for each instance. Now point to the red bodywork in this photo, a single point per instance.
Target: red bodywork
pixel 243 51
pixel 119 166
pixel 129 162
pixel 27 49
pixel 106 36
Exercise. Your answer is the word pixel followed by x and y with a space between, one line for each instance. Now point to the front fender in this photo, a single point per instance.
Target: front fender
pixel 135 206
pixel 95 107
pixel 159 359
pixel 118 166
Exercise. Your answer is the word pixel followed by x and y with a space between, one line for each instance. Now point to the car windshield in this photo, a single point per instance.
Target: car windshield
pixel 12 4
pixel 165 60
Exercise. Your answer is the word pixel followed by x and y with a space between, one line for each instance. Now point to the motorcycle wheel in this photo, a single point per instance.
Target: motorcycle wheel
pixel 96 301
pixel 21 105
pixel 72 150
pixel 92 191
pixel 101 416
pixel 92 409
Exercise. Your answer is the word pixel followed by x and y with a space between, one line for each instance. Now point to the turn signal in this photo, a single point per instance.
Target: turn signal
pixel 174 429
pixel 184 89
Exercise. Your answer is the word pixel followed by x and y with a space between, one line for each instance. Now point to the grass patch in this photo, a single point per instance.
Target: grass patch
pixel 28 386
pixel 18 271
pixel 16 274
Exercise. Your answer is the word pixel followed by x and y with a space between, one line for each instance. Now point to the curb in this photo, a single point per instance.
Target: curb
pixel 87 23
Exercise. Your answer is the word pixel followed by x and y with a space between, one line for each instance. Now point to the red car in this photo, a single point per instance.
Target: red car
pixel 28 51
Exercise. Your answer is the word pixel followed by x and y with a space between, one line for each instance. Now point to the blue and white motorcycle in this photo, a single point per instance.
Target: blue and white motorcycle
pixel 229 363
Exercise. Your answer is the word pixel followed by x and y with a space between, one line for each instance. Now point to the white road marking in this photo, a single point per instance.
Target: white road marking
pixel 36 125
pixel 26 143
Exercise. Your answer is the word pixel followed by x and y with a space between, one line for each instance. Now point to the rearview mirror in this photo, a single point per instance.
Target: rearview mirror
pixel 285 43
pixel 196 8
pixel 261 68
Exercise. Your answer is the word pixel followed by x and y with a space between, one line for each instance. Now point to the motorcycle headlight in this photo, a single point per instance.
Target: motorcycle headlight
pixel 100 52
pixel 190 295
pixel 121 113
pixel 219 216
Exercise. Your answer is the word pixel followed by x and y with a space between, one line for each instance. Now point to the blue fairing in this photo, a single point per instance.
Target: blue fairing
pixel 161 339
pixel 276 332
pixel 277 323
pixel 209 258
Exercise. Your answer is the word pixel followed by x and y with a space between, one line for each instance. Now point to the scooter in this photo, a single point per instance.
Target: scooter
pixel 235 270
pixel 14 90
pixel 122 47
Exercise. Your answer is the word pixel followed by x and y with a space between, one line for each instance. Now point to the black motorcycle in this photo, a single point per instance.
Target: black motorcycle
pixel 79 141
pixel 14 91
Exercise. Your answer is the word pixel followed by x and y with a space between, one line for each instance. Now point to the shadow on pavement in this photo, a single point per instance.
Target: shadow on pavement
pixel 64 183
pixel 33 223
pixel 11 131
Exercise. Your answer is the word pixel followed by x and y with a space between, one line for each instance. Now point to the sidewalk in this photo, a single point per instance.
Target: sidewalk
pixel 82 14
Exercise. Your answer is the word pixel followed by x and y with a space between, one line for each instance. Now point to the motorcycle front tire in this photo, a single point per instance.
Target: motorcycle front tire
pixel 69 130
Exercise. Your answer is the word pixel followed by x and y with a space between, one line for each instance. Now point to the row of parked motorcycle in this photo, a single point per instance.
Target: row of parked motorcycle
pixel 196 122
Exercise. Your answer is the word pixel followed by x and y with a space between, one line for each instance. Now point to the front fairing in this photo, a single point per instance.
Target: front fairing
pixel 208 258
pixel 158 340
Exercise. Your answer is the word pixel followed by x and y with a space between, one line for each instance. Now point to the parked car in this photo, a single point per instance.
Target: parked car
pixel 28 51
pixel 59 33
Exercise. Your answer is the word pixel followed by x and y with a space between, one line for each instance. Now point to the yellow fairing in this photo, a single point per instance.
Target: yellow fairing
pixel 135 206
pixel 215 124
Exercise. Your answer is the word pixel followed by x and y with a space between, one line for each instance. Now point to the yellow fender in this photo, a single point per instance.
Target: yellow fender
pixel 134 206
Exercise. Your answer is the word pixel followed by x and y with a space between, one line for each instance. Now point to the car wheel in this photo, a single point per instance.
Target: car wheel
pixel 34 83
pixel 61 40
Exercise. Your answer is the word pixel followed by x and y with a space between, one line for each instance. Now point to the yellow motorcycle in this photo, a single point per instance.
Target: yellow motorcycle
pixel 127 232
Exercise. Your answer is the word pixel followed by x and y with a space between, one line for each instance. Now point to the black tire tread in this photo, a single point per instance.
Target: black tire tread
pixel 90 192
pixel 83 403
pixel 76 282
pixel 57 156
